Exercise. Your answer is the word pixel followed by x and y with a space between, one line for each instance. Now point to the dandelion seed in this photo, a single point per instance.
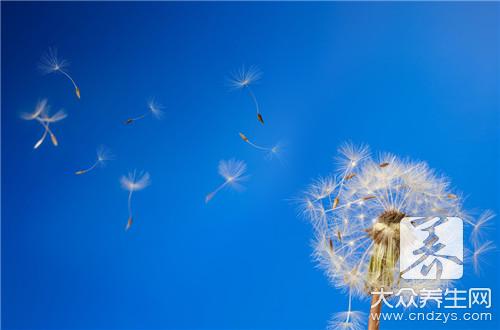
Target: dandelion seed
pixel 242 79
pixel 134 182
pixel 484 222
pixel 42 116
pixel 374 203
pixel 335 202
pixel 348 320
pixel 479 251
pixel 271 151
pixel 232 171
pixel 103 155
pixel 350 176
pixel 50 62
pixel 154 109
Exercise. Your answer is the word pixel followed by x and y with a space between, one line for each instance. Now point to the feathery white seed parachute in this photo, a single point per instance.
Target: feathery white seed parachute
pixel 155 109
pixel 233 172
pixel 245 77
pixel 135 182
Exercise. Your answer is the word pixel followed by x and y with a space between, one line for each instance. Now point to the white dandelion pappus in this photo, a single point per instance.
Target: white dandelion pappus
pixel 232 171
pixel 40 107
pixel 478 254
pixel 50 62
pixel 242 79
pixel 154 109
pixel 356 213
pixel 349 320
pixel 103 155
pixel 134 182
pixel 482 224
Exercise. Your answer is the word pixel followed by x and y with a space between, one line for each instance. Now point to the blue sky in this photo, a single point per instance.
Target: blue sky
pixel 417 79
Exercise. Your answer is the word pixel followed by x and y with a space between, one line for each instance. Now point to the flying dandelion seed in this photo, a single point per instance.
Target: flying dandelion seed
pixel 154 109
pixel 103 155
pixel 41 115
pixel 134 182
pixel 478 254
pixel 349 320
pixel 243 79
pixel 50 62
pixel 232 171
pixel 356 216
pixel 271 151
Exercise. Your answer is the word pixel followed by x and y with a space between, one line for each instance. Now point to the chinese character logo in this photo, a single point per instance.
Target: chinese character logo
pixel 431 248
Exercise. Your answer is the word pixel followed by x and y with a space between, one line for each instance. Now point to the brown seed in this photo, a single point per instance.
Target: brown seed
pixel 79 172
pixel 368 197
pixel 452 196
pixel 384 165
pixel 330 242
pixel 77 91
pixel 259 117
pixel 129 224
pixel 335 202
pixel 243 137
pixel 54 140
pixel 129 121
pixel 350 176
pixel 339 236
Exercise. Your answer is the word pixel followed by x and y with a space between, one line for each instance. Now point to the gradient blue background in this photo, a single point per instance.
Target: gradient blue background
pixel 419 79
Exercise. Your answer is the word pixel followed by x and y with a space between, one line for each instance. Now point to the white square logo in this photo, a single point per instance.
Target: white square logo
pixel 431 248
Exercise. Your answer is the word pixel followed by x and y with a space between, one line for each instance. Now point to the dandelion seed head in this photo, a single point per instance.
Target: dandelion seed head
pixel 134 181
pixel 359 207
pixel 245 77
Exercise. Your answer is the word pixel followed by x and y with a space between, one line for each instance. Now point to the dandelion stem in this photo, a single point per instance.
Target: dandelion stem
pixel 244 138
pixel 348 317
pixel 141 116
pixel 252 95
pixel 88 169
pixel 77 90
pixel 47 128
pixel 258 147
pixel 130 203
pixel 213 193
pixel 374 317
pixel 257 108
pixel 39 142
